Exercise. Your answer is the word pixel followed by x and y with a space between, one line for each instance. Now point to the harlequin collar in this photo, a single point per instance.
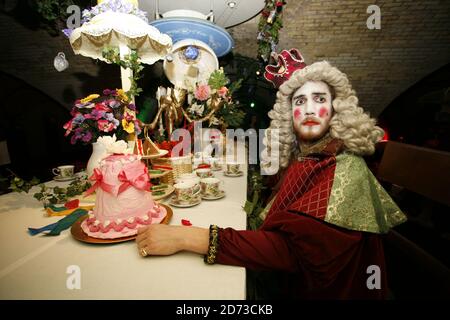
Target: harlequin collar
pixel 326 146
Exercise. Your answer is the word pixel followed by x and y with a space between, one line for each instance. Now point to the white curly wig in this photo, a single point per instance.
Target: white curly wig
pixel 349 122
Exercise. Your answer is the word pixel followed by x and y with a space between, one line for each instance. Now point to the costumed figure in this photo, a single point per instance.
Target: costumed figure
pixel 324 227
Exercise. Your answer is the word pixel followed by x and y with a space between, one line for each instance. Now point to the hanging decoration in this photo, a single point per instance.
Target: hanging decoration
pixel 60 62
pixel 269 26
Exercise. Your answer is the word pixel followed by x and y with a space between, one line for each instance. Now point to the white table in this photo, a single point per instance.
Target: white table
pixel 35 267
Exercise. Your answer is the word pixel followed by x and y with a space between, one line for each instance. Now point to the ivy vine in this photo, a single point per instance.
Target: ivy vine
pixel 130 61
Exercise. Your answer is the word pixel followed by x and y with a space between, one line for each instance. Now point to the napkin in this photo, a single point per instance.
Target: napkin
pixel 63 224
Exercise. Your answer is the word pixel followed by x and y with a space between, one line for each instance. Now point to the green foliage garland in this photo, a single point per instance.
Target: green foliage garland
pixel 269 27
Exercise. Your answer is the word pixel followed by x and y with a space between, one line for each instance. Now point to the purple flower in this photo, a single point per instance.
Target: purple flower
pixel 79 134
pixel 87 136
pixel 108 92
pixel 67 32
pixel 137 128
pixel 113 103
pixel 95 11
pixel 132 106
pixel 109 116
pixel 115 6
pixel 97 114
pixel 78 119
pixel 86 13
pixel 74 139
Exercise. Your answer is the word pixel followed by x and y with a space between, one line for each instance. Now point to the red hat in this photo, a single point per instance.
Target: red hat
pixel 287 62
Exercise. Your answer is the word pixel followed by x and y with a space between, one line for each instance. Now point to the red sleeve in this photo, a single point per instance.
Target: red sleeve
pixel 294 243
pixel 257 250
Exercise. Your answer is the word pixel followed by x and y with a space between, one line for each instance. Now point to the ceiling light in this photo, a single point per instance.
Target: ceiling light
pixel 232 4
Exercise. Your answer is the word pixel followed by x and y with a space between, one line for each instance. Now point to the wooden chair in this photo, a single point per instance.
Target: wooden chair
pixel 412 272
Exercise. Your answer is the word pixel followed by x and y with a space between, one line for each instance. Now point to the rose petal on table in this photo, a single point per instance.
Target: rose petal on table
pixel 185 222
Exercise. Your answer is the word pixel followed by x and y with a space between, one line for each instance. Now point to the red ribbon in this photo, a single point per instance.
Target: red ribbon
pixel 97 176
pixel 141 182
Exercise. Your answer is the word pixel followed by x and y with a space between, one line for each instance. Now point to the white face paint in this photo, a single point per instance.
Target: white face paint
pixel 311 110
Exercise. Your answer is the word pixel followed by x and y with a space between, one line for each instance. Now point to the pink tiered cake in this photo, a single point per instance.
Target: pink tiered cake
pixel 124 203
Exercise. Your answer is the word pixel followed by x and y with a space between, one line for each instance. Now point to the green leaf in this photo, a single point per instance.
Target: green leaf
pixel 218 79
pixel 248 207
pixel 38 195
pixel 34 181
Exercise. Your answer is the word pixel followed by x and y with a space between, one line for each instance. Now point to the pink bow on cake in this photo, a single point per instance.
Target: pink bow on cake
pixel 140 182
pixel 97 176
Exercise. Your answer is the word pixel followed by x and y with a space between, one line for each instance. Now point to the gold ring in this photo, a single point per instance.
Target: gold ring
pixel 143 252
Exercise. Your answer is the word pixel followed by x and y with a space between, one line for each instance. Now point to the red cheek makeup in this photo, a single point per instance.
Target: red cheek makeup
pixel 297 114
pixel 323 112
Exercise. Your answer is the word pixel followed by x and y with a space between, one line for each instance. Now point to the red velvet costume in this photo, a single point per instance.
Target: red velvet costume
pixel 321 260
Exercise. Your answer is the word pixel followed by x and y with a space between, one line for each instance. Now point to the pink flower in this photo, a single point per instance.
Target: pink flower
pixel 68 126
pixel 102 107
pixel 202 92
pixel 223 92
pixel 129 116
pixel 105 125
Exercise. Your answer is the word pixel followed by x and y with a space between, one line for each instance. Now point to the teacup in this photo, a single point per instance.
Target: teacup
pixel 211 186
pixel 203 173
pixel 186 192
pixel 186 177
pixel 233 167
pixel 64 171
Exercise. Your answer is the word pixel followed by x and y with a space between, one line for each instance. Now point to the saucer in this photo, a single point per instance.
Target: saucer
pixel 61 179
pixel 176 203
pixel 219 195
pixel 229 174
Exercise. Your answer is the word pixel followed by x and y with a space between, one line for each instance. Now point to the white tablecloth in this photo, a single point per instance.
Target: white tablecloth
pixel 35 267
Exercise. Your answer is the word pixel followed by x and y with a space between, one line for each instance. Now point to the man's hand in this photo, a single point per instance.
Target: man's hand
pixel 159 240
pixel 163 240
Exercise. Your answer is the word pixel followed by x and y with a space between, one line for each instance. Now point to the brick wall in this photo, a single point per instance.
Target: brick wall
pixel 414 40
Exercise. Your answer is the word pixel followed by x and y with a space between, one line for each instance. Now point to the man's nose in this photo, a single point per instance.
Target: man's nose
pixel 309 108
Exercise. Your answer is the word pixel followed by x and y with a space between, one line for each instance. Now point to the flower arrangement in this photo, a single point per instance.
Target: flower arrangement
pixel 95 116
pixel 213 102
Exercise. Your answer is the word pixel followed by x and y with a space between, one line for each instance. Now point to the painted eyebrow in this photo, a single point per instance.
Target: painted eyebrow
pixel 314 93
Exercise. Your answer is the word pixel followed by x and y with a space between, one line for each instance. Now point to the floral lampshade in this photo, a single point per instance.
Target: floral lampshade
pixel 119 23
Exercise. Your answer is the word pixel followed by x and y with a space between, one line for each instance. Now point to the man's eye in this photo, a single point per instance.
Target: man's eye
pixel 299 101
pixel 320 99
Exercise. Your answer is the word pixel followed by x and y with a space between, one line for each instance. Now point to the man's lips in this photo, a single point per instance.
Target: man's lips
pixel 310 123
